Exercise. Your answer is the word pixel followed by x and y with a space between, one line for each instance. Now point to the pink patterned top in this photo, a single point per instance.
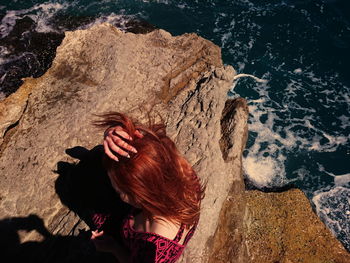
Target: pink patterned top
pixel 146 247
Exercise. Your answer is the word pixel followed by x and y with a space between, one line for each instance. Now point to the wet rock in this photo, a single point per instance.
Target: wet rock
pixel 29 53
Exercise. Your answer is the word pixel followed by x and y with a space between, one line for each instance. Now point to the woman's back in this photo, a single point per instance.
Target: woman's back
pixel 154 241
pixel 139 222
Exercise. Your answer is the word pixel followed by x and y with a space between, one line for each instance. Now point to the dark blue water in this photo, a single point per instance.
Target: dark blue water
pixel 299 119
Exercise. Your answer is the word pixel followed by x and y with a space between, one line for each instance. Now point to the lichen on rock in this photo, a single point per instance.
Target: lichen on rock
pixel 281 227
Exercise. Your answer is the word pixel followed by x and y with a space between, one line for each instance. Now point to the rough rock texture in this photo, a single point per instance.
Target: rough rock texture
pixel 179 79
pixel 228 243
pixel 274 227
pixel 12 108
pixel 281 227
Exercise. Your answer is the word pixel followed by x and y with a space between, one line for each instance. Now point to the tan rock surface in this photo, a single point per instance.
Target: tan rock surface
pixel 281 227
pixel 181 79
pixel 228 244
pixel 13 107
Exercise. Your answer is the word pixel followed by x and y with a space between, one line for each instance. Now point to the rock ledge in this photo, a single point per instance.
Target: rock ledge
pixel 180 79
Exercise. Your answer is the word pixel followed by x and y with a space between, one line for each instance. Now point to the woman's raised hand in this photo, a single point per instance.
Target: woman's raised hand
pixel 115 142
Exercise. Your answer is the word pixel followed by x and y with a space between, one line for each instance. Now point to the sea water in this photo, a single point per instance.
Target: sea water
pixel 299 124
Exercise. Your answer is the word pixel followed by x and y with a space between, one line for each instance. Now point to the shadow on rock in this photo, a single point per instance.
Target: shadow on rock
pixel 266 189
pixel 52 248
pixel 85 188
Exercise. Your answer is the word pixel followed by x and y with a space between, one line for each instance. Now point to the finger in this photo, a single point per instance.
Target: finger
pixel 99 233
pixel 138 134
pixel 121 143
pixel 116 144
pixel 93 235
pixel 96 234
pixel 123 134
pixel 111 130
pixel 108 151
pixel 108 132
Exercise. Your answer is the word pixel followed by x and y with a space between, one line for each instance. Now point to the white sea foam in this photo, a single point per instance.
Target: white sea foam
pixel 40 13
pixel 298 70
pixel 2 96
pixel 4 52
pixel 343 179
pixel 167 2
pixel 285 119
pixel 230 32
pixel 226 38
pixel 114 19
pixel 265 171
pixel 8 22
pixel 264 163
pixel 47 11
pixel 277 134
pixel 340 179
pixel 345 121
pixel 333 207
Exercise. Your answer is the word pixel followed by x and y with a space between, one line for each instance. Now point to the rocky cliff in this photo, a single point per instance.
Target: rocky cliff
pixel 180 80
pixel 46 128
pixel 277 227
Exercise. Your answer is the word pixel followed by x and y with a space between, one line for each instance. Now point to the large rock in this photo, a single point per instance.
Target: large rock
pixel 228 243
pixel 281 227
pixel 274 227
pixel 179 79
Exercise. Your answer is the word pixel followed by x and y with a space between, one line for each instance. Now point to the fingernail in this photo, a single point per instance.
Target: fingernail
pixel 134 150
pixel 128 156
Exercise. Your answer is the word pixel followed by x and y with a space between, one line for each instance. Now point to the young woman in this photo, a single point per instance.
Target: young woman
pixel 146 169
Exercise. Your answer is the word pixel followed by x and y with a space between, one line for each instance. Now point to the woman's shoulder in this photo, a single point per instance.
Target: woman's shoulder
pixel 159 240
pixel 161 227
pixel 165 228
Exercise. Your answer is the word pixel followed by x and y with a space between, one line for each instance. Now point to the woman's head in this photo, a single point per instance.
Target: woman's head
pixel 157 178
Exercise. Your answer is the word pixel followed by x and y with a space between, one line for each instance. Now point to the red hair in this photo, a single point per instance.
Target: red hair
pixel 157 178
